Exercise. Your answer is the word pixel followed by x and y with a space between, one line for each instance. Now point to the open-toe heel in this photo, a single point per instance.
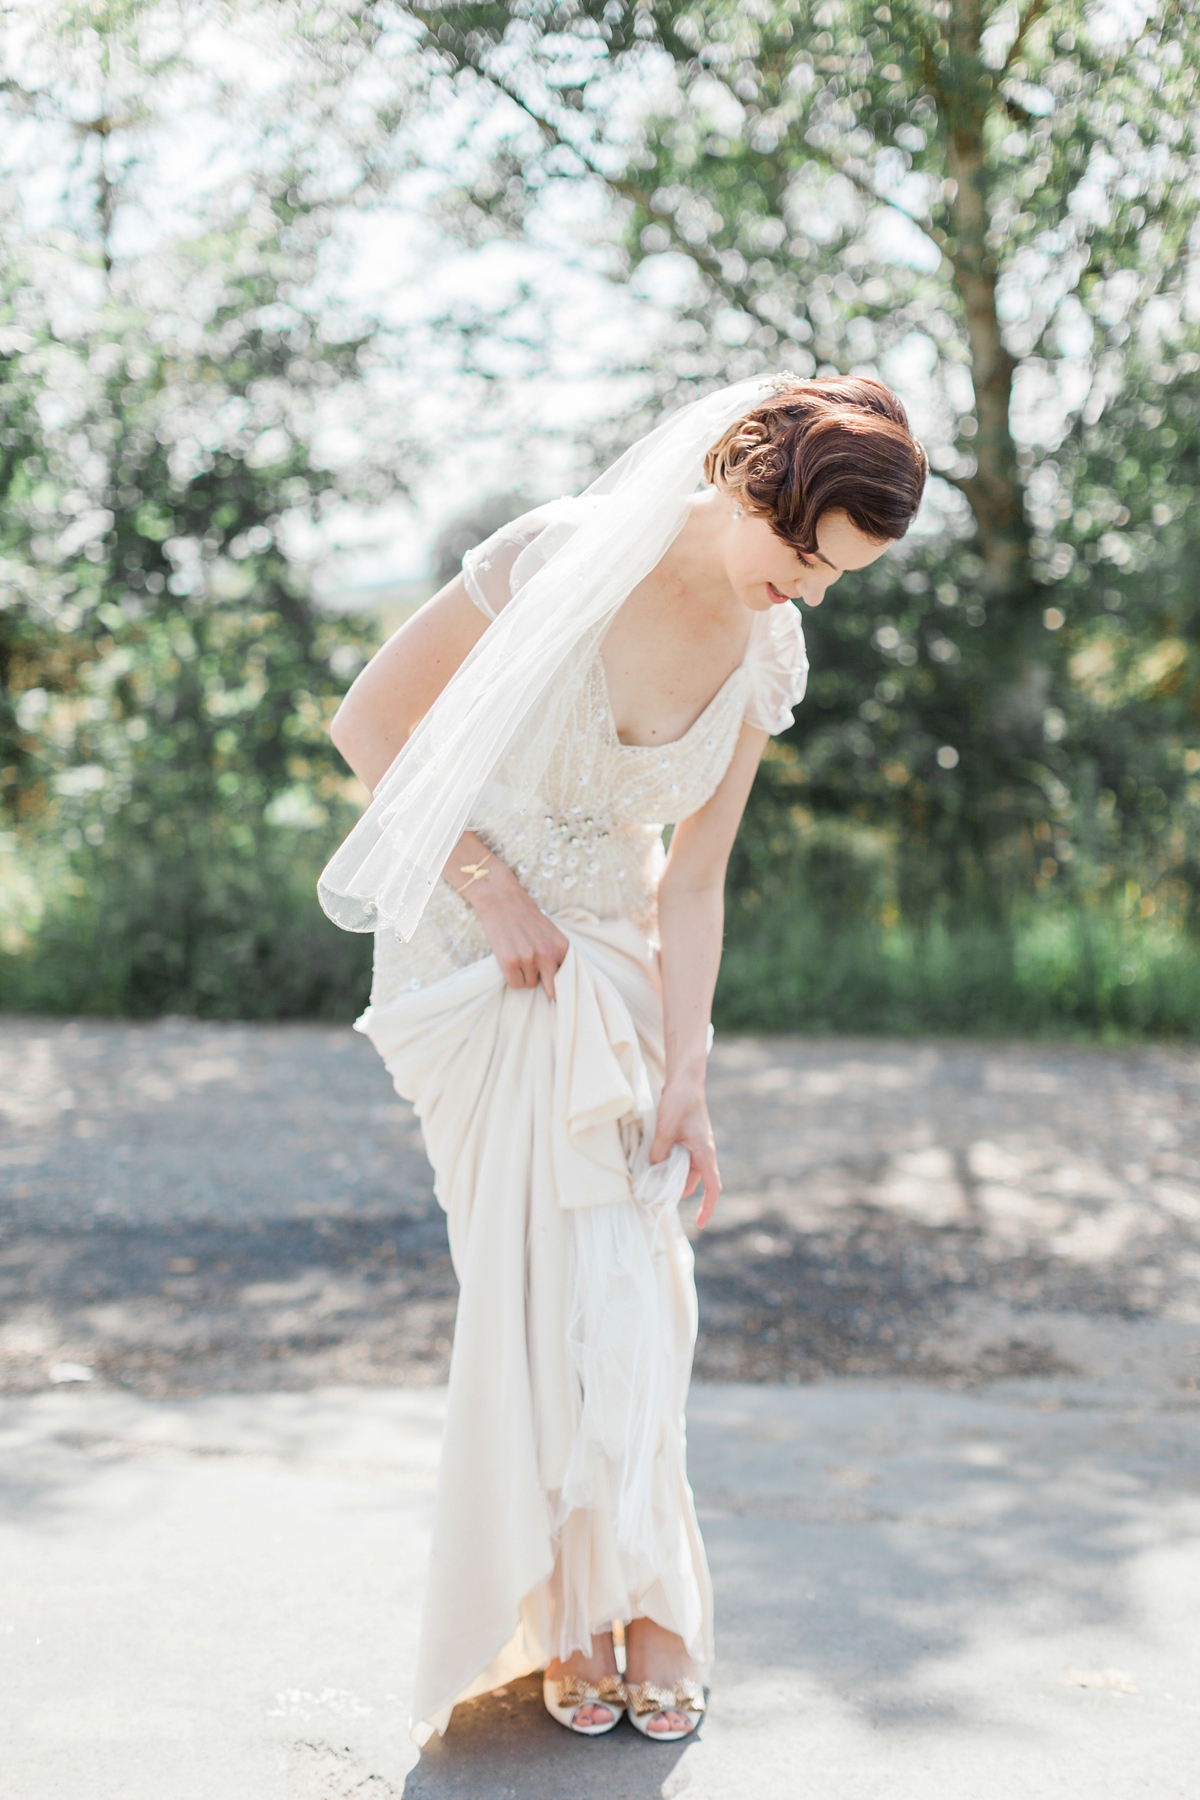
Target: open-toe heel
pixel 566 1698
pixel 645 1700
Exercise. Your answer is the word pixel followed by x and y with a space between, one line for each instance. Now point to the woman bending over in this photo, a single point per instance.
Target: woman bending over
pixel 543 981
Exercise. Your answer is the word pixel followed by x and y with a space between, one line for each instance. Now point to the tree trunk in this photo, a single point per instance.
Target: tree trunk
pixel 965 92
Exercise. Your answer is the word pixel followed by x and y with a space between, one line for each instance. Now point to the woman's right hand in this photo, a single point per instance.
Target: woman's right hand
pixel 528 946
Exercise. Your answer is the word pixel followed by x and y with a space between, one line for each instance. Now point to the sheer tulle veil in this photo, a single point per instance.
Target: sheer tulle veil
pixel 497 721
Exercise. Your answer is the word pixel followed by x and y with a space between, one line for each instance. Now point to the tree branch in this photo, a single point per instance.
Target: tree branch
pixel 706 259
pixel 105 125
pixel 1036 9
pixel 830 158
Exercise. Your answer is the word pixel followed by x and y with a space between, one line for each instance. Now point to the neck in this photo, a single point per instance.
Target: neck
pixel 695 560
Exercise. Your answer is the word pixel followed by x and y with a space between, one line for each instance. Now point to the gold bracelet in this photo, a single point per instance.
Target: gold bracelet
pixel 475 872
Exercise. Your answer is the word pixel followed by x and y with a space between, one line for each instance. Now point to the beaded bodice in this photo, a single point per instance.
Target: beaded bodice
pixel 591 838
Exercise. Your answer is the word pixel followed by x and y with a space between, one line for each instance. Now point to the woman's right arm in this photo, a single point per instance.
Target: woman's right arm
pixel 372 725
pixel 403 679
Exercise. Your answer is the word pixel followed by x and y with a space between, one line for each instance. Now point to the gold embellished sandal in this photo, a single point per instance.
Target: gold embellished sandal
pixel 645 1700
pixel 565 1698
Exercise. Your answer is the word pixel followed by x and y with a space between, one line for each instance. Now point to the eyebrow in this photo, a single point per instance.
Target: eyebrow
pixel 819 557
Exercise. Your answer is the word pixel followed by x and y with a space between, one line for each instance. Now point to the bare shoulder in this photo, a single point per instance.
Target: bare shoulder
pixel 448 625
pixel 404 678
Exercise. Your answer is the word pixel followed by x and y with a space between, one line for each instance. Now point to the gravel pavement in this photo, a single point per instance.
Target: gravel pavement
pixel 943 1441
pixel 187 1207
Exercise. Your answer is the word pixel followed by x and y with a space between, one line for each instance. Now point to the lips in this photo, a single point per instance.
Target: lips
pixel 777 599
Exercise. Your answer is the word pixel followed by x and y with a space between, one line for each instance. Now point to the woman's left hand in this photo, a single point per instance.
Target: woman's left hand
pixel 683 1119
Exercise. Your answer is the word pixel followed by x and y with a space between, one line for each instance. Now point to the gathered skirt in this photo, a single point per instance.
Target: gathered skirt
pixel 562 1501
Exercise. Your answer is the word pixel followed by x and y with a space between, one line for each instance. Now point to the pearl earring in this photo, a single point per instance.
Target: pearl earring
pixel 737 511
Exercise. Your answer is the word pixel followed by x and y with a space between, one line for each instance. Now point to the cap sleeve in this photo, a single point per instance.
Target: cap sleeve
pixel 487 569
pixel 777 665
pixel 494 570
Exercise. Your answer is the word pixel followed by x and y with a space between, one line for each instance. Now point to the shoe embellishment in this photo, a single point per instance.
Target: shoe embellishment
pixel 573 1690
pixel 644 1697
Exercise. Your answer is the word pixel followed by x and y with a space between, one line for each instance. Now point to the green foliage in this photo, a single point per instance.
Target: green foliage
pixel 197 924
pixel 158 601
pixel 815 941
pixel 168 680
pixel 1058 973
pixel 988 811
pixel 996 198
pixel 802 157
pixel 1080 769
pixel 166 675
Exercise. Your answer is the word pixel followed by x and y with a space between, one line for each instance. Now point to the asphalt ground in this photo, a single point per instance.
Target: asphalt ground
pixel 990 1593
pixel 943 1439
pixel 188 1208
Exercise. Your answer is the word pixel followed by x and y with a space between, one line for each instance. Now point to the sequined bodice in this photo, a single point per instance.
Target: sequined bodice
pixel 591 838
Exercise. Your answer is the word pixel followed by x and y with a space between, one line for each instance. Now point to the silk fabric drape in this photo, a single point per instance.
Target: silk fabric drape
pixel 562 1499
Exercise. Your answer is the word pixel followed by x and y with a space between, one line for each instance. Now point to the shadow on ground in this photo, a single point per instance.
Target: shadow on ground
pixel 916 1591
pixel 189 1208
pixel 195 1307
pixel 202 1307
pixel 506 1744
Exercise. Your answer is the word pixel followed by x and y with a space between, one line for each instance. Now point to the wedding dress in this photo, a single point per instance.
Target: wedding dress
pixel 563 1500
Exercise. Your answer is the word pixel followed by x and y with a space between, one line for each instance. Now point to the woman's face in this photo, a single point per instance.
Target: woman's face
pixel 766 572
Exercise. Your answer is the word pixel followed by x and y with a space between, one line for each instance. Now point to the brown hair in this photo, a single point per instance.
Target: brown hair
pixel 836 445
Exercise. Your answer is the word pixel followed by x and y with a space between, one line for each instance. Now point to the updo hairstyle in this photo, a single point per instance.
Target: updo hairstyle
pixel 836 445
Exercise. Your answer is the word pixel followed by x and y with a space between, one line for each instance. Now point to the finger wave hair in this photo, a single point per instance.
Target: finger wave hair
pixel 836 445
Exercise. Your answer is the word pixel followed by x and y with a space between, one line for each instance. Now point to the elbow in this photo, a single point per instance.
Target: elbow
pixel 367 751
pixel 339 730
pixel 344 739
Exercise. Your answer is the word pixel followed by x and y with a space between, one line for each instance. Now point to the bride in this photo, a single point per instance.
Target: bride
pixel 543 980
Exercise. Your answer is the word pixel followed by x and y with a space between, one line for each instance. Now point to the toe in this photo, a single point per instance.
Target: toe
pixel 593 1715
pixel 668 1721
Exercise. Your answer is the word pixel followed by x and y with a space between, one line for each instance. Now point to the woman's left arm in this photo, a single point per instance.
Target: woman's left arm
pixel 691 919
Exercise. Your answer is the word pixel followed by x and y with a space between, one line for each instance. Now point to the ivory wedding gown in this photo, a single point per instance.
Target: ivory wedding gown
pixel 563 1500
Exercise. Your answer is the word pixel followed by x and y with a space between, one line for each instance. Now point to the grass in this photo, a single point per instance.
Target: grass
pixel 218 931
pixel 1042 973
pixel 210 933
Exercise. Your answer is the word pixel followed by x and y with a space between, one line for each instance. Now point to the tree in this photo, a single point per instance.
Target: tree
pixel 996 197
pixel 1002 137
pixel 167 676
